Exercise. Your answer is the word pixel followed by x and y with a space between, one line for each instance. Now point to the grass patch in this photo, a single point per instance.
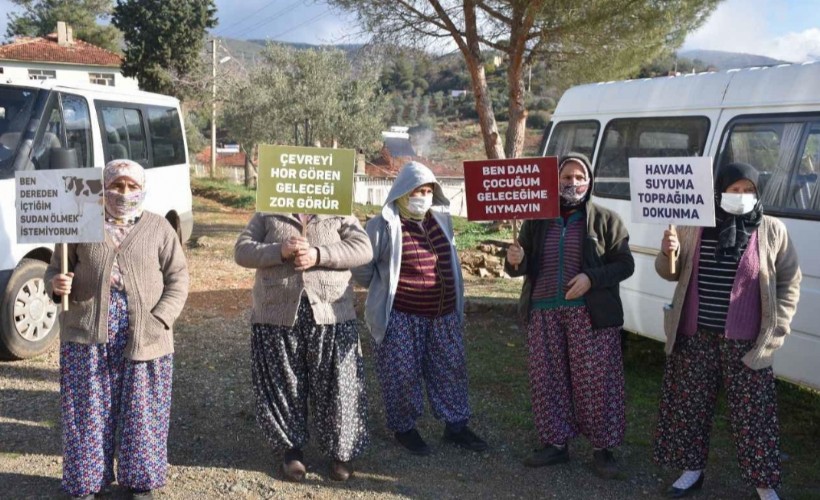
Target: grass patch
pixel 499 387
pixel 225 192
pixel 470 234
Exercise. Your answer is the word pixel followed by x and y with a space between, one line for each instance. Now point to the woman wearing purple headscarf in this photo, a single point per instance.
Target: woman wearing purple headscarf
pixel 116 343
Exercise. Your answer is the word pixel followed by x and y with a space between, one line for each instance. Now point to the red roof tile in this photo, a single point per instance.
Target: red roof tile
pixel 222 159
pixel 387 165
pixel 46 49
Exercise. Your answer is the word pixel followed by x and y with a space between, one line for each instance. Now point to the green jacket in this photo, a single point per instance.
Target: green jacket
pixel 607 261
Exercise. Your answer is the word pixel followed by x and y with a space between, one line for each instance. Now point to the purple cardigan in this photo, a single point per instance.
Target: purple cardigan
pixel 743 317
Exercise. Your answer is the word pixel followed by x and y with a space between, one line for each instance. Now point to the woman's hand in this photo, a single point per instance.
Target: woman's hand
pixel 61 283
pixel 305 259
pixel 669 244
pixel 515 254
pixel 293 245
pixel 578 286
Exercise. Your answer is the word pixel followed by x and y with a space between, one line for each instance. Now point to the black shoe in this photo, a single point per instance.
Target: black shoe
pixel 293 466
pixel 140 494
pixel 412 441
pixel 550 455
pixel 673 492
pixel 341 471
pixel 603 464
pixel 465 438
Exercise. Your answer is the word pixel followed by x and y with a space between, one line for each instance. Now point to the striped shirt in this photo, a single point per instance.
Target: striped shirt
pixel 715 282
pixel 561 260
pixel 426 284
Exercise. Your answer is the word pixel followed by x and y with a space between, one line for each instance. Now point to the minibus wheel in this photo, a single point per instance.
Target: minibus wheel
pixel 28 319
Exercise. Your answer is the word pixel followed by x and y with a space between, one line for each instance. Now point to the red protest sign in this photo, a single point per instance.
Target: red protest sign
pixel 516 188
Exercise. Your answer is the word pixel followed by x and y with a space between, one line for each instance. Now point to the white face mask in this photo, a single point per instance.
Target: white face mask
pixel 419 205
pixel 737 203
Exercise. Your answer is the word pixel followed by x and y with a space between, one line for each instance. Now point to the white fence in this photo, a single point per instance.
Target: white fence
pixel 232 174
pixel 373 191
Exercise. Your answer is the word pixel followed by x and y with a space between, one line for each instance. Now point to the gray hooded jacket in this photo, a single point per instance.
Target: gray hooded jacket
pixel 381 276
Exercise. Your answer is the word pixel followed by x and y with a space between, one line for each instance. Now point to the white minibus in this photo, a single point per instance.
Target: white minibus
pixel 46 124
pixel 768 117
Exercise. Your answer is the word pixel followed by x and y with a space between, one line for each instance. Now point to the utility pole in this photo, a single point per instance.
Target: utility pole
pixel 213 108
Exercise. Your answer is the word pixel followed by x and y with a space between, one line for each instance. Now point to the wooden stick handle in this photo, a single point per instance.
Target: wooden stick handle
pixel 673 256
pixel 64 270
pixel 515 237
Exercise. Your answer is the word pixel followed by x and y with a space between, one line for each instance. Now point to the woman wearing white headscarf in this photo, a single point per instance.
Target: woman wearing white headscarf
pixel 116 342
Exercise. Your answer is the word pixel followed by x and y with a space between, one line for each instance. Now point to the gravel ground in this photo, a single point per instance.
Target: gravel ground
pixel 217 451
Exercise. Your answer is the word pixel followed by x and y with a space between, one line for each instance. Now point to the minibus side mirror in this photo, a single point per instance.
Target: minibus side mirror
pixel 63 158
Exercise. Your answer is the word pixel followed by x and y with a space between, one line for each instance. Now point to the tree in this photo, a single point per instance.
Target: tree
pixel 163 40
pixel 288 87
pixel 581 38
pixel 39 18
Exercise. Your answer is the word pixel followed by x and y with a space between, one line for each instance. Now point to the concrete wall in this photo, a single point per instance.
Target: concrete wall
pixel 18 71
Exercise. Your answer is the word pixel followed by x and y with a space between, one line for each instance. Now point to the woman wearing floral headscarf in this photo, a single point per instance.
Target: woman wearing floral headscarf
pixel 738 287
pixel 116 342
pixel 571 305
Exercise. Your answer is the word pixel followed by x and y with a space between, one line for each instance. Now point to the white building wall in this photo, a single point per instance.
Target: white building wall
pixel 19 71
pixel 374 190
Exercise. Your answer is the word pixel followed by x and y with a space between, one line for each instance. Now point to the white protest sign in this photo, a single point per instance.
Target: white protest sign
pixel 60 206
pixel 676 190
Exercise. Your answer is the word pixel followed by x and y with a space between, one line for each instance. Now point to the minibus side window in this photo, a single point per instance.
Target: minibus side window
pixel 165 128
pixel 786 152
pixel 626 138
pixel 78 128
pixel 124 137
pixel 65 139
pixel 573 137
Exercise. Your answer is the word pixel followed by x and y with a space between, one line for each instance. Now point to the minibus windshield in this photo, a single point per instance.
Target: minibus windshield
pixel 16 105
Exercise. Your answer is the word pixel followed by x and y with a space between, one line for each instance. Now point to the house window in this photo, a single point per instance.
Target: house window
pixel 41 74
pixel 102 78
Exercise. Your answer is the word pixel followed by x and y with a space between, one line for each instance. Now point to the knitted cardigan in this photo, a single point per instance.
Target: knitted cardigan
pixel 779 280
pixel 278 287
pixel 155 274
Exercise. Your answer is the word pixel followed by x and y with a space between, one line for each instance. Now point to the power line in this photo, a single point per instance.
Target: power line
pixel 242 20
pixel 309 21
pixel 257 23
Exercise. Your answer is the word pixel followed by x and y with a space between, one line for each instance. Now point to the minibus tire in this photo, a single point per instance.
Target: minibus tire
pixel 26 286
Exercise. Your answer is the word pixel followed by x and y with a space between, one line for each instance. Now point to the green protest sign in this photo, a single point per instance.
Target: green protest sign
pixel 295 179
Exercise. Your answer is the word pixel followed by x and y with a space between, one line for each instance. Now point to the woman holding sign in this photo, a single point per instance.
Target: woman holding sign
pixel 415 310
pixel 116 343
pixel 570 303
pixel 738 287
pixel 305 344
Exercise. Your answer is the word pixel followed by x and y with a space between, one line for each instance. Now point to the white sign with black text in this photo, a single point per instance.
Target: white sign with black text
pixel 60 206
pixel 675 190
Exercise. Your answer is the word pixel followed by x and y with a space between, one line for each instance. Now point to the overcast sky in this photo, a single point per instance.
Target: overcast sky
pixel 783 29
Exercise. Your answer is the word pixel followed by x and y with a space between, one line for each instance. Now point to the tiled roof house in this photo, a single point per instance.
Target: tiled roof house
pixel 59 55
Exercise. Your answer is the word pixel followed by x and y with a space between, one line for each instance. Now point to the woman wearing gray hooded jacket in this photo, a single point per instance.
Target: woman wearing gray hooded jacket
pixel 415 310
